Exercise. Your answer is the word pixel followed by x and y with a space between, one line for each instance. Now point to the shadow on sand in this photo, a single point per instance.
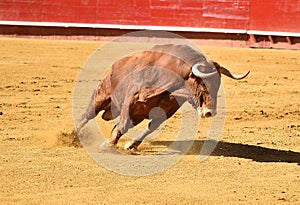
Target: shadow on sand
pixel 253 152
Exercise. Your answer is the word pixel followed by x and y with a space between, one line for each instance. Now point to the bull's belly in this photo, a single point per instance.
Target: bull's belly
pixel 153 109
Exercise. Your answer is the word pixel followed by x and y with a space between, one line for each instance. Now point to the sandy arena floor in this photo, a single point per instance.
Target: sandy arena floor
pixel 256 162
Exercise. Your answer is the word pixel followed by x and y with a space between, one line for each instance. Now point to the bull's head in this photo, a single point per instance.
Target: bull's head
pixel 207 79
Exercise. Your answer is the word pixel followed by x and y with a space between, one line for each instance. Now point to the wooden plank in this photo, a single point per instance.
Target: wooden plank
pixel 279 15
pixel 226 14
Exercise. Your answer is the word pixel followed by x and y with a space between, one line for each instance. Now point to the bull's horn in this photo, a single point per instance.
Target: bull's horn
pixel 198 73
pixel 232 75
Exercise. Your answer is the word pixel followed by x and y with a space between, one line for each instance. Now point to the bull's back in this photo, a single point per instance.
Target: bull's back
pixel 156 59
pixel 184 52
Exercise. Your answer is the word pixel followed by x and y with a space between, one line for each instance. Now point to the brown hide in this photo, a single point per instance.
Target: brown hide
pixel 154 78
pixel 147 80
pixel 183 52
pixel 126 65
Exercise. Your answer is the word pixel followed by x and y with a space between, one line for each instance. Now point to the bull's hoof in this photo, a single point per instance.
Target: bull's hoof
pixel 132 145
pixel 127 146
pixel 107 146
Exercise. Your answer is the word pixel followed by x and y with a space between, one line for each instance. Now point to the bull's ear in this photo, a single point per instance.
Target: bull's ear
pixel 228 73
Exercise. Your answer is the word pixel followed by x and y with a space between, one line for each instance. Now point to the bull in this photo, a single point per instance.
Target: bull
pixel 165 76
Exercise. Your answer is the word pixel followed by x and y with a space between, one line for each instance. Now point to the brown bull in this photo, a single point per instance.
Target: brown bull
pixel 165 77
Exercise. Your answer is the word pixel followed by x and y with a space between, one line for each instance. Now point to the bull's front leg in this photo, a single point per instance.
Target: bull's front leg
pixel 112 141
pixel 152 126
pixel 115 136
pixel 119 129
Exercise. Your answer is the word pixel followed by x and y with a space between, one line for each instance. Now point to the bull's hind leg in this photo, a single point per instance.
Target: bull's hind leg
pixel 97 103
pixel 89 114
pixel 152 126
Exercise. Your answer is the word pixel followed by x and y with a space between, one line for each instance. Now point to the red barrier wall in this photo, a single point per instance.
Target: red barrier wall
pixel 276 15
pixel 263 15
pixel 185 13
pixel 254 17
pixel 231 14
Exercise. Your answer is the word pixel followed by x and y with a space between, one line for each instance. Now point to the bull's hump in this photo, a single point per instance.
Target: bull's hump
pixel 184 52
